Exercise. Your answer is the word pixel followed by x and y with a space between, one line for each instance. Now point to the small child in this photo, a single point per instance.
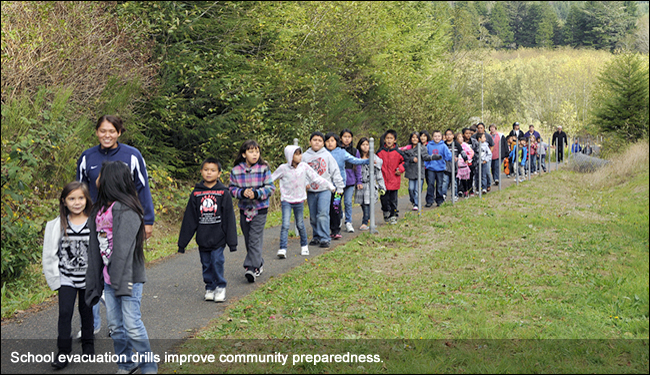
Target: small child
pixel 486 159
pixel 294 177
pixel 209 214
pixel 410 153
pixel 352 177
pixel 532 160
pixel 436 170
pixel 362 196
pixel 65 260
pixel 464 166
pixel 392 170
pixel 318 195
pixel 251 183
pixel 116 265
pixel 519 155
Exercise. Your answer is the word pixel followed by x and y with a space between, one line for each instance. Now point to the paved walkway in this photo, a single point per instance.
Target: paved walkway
pixel 172 305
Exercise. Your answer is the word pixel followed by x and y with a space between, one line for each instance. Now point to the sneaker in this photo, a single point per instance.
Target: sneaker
pixel 393 220
pixel 219 294
pixel 96 331
pixel 488 188
pixel 484 191
pixel 59 364
pixel 258 271
pixel 314 242
pixel 415 208
pixel 324 244
pixel 428 205
pixel 349 228
pixel 209 295
pixel 250 275
pixel 386 216
pixel 336 236
pixel 455 199
pixel 282 253
pixel 364 227
pixel 304 251
pixel 496 183
pixel 131 371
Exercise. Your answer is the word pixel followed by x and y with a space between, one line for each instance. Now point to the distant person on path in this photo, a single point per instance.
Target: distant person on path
pixel 116 264
pixel 425 138
pixel 576 148
pixel 542 149
pixel 65 260
pixel 457 152
pixel 363 195
pixel 500 150
pixel 532 158
pixel 318 195
pixel 558 142
pixel 392 170
pixel 352 177
pixel 587 150
pixel 474 145
pixel 251 184
pixel 464 167
pixel 516 131
pixel 519 155
pixel 531 132
pixel 108 130
pixel 294 177
pixel 343 158
pixel 209 213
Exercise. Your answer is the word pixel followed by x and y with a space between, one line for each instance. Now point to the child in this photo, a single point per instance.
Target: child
pixel 410 152
pixel 294 176
pixel 342 158
pixel 532 160
pixel 209 214
pixel 251 183
pixel 318 195
pixel 436 169
pixel 65 260
pixel 518 155
pixel 542 148
pixel 362 196
pixel 512 143
pixel 486 159
pixel 116 264
pixel 392 170
pixel 352 177
pixel 463 166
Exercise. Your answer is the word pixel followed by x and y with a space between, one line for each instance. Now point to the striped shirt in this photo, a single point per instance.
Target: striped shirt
pixel 73 255
pixel 256 177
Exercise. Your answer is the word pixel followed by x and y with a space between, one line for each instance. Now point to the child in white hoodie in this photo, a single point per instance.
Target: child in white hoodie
pixel 294 177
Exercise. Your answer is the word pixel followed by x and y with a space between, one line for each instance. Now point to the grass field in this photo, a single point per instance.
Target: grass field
pixel 551 276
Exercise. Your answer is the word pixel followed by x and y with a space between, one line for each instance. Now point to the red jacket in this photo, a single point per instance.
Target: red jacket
pixel 393 160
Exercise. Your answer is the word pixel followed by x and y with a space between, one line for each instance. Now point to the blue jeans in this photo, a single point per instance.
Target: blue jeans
pixel 446 177
pixel 434 190
pixel 347 200
pixel 298 209
pixel 485 176
pixel 319 214
pixel 496 170
pixel 366 213
pixel 124 319
pixel 97 318
pixel 212 263
pixel 414 192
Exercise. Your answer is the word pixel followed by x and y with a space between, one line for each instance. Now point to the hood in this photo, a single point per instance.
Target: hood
pixel 433 143
pixel 217 186
pixel 289 151
pixel 322 151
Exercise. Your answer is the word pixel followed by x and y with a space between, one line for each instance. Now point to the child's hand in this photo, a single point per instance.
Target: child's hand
pixel 382 192
pixel 415 160
pixel 398 172
pixel 248 193
pixel 359 186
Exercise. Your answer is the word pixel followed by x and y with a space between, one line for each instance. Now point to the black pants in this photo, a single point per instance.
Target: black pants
pixel 335 216
pixel 67 296
pixel 389 203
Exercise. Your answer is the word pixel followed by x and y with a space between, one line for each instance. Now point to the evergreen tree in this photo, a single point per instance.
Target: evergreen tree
pixel 517 12
pixel 574 27
pixel 623 108
pixel 500 24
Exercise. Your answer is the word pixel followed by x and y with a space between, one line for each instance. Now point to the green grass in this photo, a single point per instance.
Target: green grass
pixel 530 269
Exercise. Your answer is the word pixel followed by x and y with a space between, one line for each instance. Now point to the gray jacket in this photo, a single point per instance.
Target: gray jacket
pixel 411 167
pixel 124 267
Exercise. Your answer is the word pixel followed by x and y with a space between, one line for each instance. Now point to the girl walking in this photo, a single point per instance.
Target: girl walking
pixel 362 195
pixel 252 185
pixel 116 264
pixel 410 152
pixel 65 260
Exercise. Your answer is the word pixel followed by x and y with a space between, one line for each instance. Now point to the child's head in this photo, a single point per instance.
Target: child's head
pixel 211 170
pixel 75 200
pixel 539 139
pixel 460 138
pixel 473 128
pixel 316 141
pixel 467 134
pixel 481 137
pixel 249 152
pixel 522 141
pixel 297 157
pixel 332 141
pixel 414 139
pixel 363 146
pixel 424 137
pixel 449 135
pixel 389 138
pixel 437 136
pixel 346 137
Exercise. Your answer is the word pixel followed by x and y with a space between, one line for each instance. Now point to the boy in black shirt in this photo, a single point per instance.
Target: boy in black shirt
pixel 209 214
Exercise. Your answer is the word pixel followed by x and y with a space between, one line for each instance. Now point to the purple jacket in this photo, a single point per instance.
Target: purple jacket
pixel 353 172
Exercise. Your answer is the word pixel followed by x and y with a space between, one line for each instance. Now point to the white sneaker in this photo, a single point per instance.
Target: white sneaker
pixel 219 294
pixel 209 295
pixel 78 335
pixel 304 250
pixel 282 253
pixel 349 228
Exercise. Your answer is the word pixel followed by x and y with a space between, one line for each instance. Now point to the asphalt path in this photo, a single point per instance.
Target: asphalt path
pixel 173 308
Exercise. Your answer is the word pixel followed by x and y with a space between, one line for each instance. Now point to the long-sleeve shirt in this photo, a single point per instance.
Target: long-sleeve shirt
pixel 256 177
pixel 486 154
pixel 343 158
pixel 326 166
pixel 293 181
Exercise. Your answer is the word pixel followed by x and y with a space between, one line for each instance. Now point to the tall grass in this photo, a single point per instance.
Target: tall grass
pixel 624 166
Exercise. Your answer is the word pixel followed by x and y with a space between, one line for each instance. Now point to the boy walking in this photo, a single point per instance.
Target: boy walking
pixel 209 214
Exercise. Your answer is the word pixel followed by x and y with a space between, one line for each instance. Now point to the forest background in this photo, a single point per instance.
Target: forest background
pixel 196 79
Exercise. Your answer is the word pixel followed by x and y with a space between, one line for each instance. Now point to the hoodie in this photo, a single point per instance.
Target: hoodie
pixel 393 160
pixel 441 149
pixel 294 180
pixel 209 214
pixel 326 166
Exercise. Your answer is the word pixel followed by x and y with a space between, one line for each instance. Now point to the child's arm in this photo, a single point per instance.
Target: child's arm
pixel 235 188
pixel 312 176
pixel 352 160
pixel 189 225
pixel 228 222
pixel 335 174
pixel 379 177
pixel 357 172
pixel 278 172
pixel 126 225
pixel 49 259
pixel 426 157
pixel 267 189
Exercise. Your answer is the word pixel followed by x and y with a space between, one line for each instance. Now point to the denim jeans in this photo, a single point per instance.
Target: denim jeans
pixel 366 213
pixel 485 176
pixel 496 170
pixel 97 318
pixel 446 177
pixel 212 264
pixel 298 209
pixel 542 162
pixel 319 214
pixel 434 190
pixel 414 192
pixel 347 200
pixel 124 319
